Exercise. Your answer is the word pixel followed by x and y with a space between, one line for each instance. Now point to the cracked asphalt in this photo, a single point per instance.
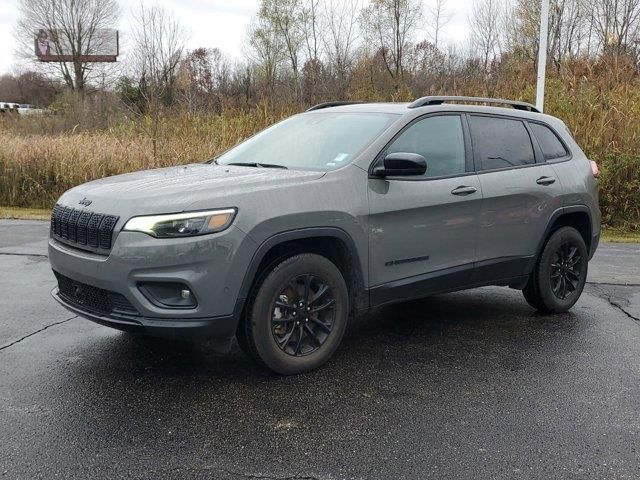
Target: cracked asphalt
pixel 466 385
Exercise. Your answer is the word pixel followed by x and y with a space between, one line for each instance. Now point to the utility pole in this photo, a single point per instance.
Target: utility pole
pixel 542 53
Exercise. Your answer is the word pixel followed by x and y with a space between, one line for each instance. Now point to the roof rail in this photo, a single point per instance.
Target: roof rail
pixel 426 101
pixel 320 106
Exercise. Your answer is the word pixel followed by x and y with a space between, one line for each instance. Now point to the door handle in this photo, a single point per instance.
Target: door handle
pixel 545 181
pixel 464 190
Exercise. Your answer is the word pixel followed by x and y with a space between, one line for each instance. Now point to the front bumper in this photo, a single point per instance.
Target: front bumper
pixel 211 266
pixel 221 328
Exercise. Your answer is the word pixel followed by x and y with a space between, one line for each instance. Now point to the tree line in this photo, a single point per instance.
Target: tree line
pixel 300 52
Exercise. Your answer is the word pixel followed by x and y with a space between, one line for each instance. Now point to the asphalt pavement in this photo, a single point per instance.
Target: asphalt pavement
pixel 468 385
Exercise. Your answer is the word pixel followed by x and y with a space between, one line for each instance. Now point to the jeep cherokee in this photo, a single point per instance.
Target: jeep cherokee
pixel 327 214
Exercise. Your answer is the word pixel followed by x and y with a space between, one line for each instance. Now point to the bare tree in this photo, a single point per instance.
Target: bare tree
pixel 439 17
pixel 286 19
pixel 265 51
pixel 158 41
pixel 312 26
pixel 70 24
pixel 157 44
pixel 522 31
pixel 341 35
pixel 390 25
pixel 312 29
pixel 568 29
pixel 616 22
pixel 485 25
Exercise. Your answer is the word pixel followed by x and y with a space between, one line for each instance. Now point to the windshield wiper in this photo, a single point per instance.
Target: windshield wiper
pixel 256 164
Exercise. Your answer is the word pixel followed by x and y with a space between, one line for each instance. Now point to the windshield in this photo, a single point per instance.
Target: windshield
pixel 320 141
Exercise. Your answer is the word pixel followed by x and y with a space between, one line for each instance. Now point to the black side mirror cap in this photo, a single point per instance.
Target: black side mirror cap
pixel 401 164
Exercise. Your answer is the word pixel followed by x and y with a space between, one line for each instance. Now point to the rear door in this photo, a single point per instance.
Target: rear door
pixel 520 194
pixel 424 228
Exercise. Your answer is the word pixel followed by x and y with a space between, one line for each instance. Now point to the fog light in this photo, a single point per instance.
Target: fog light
pixel 168 295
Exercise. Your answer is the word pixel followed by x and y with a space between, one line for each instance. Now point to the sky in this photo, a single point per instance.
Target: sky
pixel 208 23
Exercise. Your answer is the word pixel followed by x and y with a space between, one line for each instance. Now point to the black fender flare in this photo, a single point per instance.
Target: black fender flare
pixel 362 301
pixel 552 220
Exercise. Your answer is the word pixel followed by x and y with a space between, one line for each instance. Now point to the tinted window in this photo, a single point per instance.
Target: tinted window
pixel 439 140
pixel 501 143
pixel 550 144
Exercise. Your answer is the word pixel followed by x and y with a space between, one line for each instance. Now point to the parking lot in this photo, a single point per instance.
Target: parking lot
pixel 465 385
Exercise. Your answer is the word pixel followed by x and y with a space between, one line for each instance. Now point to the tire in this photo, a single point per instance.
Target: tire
pixel 287 330
pixel 560 273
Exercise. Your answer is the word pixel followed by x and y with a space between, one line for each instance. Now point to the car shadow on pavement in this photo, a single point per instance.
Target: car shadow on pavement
pixel 413 359
pixel 484 322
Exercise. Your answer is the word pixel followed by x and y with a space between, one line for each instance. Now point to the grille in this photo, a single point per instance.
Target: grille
pixel 93 299
pixel 83 228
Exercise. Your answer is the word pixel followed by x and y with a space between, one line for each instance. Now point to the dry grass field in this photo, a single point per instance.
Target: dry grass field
pixel 35 167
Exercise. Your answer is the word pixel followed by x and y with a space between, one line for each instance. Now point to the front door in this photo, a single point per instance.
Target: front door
pixel 424 228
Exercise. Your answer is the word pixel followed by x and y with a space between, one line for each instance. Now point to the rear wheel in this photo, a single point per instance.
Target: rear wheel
pixel 560 273
pixel 296 316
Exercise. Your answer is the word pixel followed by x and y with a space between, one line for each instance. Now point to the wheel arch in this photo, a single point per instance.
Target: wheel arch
pixel 576 216
pixel 331 242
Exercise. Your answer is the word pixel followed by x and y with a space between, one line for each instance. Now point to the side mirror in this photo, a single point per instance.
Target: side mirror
pixel 401 164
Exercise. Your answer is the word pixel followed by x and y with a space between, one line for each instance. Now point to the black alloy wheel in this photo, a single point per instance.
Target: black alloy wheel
pixel 302 315
pixel 566 270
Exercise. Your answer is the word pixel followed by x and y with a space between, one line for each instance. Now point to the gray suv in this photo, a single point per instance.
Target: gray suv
pixel 327 214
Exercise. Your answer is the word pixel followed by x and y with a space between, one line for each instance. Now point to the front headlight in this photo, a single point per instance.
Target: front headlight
pixel 175 225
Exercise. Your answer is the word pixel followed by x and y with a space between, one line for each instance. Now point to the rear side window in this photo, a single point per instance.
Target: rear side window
pixel 501 142
pixel 549 142
pixel 440 140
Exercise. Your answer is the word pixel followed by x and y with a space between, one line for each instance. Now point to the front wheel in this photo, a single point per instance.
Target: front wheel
pixel 297 315
pixel 560 273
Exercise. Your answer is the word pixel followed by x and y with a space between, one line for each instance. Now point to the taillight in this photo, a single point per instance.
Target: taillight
pixel 594 169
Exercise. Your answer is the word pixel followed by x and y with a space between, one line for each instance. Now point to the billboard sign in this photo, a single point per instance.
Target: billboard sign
pixel 55 46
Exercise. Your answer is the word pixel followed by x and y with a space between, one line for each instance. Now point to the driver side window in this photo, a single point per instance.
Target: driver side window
pixel 440 140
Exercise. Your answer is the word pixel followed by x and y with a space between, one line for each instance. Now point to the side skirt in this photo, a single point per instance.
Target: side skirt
pixel 511 271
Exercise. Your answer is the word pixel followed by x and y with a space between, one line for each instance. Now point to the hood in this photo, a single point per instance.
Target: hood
pixel 174 189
